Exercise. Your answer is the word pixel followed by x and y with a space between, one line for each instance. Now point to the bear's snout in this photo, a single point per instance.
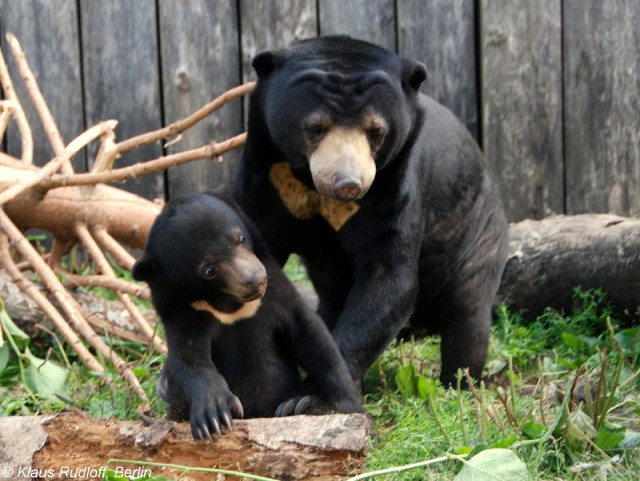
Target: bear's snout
pixel 245 276
pixel 342 166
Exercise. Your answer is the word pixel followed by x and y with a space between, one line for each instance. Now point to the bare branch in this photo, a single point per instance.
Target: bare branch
pixel 180 126
pixel 67 303
pixel 108 282
pixel 103 265
pixel 40 104
pixel 211 151
pixel 18 112
pixel 30 289
pixel 6 109
pixel 57 162
pixel 119 253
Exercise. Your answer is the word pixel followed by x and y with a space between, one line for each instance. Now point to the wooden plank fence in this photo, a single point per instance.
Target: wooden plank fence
pixel 550 88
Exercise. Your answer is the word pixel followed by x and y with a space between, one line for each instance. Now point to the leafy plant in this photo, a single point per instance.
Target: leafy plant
pixel 43 379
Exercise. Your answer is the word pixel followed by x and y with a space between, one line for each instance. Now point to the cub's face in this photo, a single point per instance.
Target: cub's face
pixel 338 109
pixel 199 254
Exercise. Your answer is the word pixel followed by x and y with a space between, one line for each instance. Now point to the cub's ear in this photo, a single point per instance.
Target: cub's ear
pixel 264 63
pixel 414 73
pixel 144 268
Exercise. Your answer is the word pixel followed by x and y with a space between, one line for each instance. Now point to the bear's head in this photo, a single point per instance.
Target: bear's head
pixel 199 254
pixel 338 110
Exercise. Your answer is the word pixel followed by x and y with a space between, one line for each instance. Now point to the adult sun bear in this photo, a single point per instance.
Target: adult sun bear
pixel 382 192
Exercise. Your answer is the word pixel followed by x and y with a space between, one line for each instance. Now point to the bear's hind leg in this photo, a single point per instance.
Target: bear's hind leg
pixel 462 310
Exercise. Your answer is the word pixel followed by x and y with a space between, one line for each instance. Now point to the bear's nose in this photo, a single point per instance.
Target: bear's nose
pixel 257 284
pixel 262 285
pixel 348 189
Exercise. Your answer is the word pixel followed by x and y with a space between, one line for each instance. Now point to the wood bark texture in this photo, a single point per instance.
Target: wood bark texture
pixel 316 448
pixel 548 258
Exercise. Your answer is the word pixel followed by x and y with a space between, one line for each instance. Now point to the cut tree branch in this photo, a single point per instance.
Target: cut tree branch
pixel 40 104
pixel 18 112
pixel 211 151
pixel 78 209
pixel 58 321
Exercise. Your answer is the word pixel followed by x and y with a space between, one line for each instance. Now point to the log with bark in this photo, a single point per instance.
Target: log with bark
pixel 71 445
pixel 550 257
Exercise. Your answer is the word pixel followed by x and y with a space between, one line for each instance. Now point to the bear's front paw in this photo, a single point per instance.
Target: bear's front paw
pixel 212 410
pixel 313 404
pixel 298 405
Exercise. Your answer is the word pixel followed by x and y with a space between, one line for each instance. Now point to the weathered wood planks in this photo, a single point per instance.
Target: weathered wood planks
pixel 441 34
pixel 602 106
pixel 48 33
pixel 200 60
pixel 522 104
pixel 121 77
pixel 371 20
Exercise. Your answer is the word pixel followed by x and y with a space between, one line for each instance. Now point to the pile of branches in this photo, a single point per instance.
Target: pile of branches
pixel 79 209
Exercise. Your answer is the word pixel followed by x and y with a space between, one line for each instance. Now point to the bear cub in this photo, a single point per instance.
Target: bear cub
pixel 234 345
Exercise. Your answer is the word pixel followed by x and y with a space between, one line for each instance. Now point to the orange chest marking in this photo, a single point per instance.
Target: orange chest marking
pixel 305 203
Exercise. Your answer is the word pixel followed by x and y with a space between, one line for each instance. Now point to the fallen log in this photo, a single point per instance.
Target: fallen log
pixel 105 316
pixel 72 445
pixel 548 258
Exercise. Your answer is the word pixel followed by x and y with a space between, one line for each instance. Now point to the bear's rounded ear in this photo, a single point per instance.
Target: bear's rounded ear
pixel 267 61
pixel 414 74
pixel 143 269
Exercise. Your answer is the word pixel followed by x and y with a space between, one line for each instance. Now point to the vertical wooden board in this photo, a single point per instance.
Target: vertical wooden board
pixel 522 104
pixel 200 60
pixel 121 77
pixel 371 20
pixel 602 105
pixel 48 33
pixel 441 34
pixel 270 24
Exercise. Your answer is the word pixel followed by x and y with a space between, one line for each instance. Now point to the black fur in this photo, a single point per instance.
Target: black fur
pixel 255 359
pixel 428 243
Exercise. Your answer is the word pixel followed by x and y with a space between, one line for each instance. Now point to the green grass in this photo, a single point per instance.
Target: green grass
pixel 561 434
pixel 564 395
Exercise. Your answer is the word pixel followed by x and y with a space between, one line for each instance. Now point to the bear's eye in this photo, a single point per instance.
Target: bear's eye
pixel 208 272
pixel 375 136
pixel 241 239
pixel 315 131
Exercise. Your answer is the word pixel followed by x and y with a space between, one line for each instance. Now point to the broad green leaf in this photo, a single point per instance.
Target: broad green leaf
pixel 506 442
pixel 494 465
pixel 45 377
pixel 571 340
pixel 495 366
pixel 631 440
pixel 626 339
pixel 426 387
pixel 578 429
pixel 609 438
pixel 407 381
pixel 533 430
pixel 10 329
pixel 4 356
